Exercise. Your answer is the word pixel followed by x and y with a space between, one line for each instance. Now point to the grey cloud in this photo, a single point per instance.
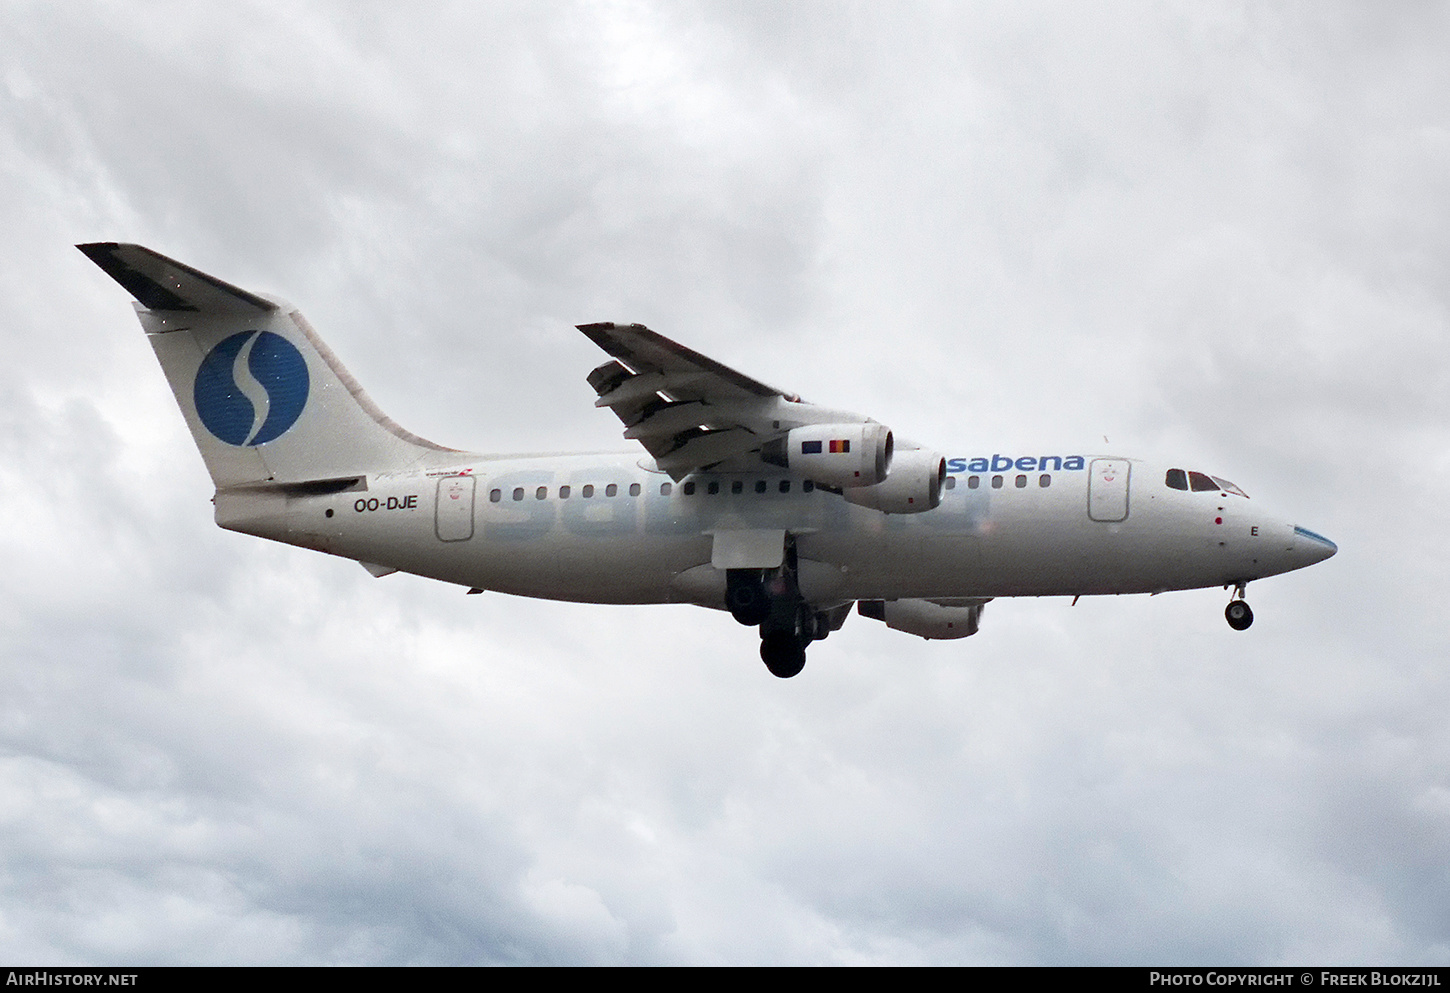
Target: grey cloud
pixel 1209 233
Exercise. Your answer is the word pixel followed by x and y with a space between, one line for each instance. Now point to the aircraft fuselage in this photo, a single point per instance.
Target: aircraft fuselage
pixel 602 529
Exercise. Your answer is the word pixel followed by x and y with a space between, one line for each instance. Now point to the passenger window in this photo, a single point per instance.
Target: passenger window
pixel 563 493
pixel 1201 483
pixel 665 489
pixel 541 492
pixel 951 482
pixel 973 482
pixel 737 487
pixel 785 485
pixel 760 486
pixel 1176 479
pixel 1045 480
pixel 495 496
pixel 588 490
pixel 689 488
pixel 634 489
pixel 519 493
pixel 996 482
pixel 713 488
pixel 807 486
pixel 611 490
pixel 1021 482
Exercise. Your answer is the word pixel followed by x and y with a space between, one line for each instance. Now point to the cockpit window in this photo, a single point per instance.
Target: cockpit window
pixel 1228 487
pixel 1199 482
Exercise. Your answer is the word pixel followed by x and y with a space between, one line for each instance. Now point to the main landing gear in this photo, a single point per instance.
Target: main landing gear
pixel 746 596
pixel 783 653
pixel 771 598
pixel 1237 613
pixel 790 628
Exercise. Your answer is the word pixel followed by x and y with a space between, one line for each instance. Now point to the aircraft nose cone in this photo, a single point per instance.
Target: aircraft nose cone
pixel 1314 547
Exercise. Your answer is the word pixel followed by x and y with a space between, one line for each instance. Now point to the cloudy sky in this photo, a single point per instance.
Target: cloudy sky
pixel 1213 231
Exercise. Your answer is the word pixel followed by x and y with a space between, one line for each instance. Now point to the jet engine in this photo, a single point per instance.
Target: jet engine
pixel 931 619
pixel 838 455
pixel 914 485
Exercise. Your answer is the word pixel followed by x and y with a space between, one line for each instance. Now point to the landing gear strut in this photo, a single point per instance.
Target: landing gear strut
pixel 788 624
pixel 1237 613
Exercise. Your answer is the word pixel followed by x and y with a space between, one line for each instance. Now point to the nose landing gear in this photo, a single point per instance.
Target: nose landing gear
pixel 1237 613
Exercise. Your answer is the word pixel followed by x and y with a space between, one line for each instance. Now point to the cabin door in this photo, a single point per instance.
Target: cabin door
pixel 1108 490
pixel 454 520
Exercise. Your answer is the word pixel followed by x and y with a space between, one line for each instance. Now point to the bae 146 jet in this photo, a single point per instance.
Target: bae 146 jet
pixel 744 497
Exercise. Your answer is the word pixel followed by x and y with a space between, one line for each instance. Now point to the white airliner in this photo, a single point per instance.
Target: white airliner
pixel 744 498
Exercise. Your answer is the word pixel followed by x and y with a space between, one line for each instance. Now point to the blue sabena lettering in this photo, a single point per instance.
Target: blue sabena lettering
pixel 1025 463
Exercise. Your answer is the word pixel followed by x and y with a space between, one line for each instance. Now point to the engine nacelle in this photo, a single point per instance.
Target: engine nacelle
pixel 925 618
pixel 844 456
pixel 914 485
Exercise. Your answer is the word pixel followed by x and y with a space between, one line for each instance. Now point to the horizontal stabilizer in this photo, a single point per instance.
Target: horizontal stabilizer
pixel 165 284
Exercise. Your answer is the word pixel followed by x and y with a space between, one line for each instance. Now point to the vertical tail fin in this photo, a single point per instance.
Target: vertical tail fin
pixel 265 398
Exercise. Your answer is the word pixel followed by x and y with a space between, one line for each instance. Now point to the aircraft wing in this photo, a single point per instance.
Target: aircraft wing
pixel 690 412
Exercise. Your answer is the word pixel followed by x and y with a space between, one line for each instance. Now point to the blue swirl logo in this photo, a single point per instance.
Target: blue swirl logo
pixel 251 388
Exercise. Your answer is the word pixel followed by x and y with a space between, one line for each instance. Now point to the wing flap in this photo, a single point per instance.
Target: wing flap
pixel 705 450
pixel 671 419
pixel 634 390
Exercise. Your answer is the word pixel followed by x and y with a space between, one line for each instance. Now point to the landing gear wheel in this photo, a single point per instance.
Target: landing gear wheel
pixel 751 612
pixel 1238 615
pixel 783 654
pixel 746 597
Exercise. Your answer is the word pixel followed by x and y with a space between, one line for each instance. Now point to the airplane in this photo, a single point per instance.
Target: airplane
pixel 743 498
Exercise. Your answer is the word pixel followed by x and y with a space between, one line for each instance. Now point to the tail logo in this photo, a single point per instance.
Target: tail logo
pixel 251 388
